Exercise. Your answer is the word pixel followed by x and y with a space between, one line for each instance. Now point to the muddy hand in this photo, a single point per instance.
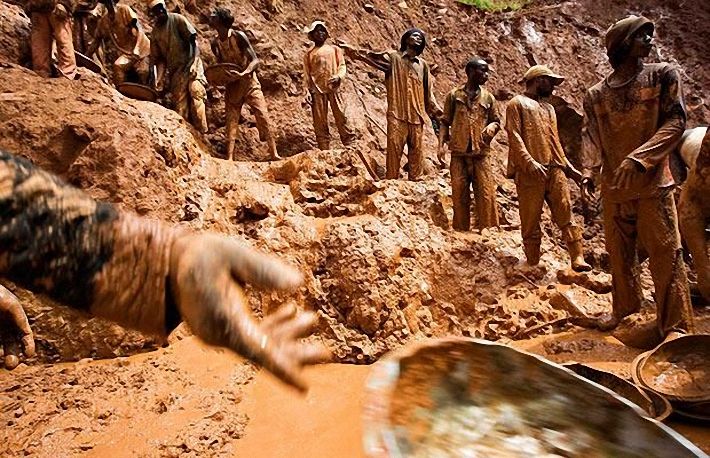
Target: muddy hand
pixel 15 332
pixel 625 173
pixel 207 276
pixel 538 170
pixel 586 187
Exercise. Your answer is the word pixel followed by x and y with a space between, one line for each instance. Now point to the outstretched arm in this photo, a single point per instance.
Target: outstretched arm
pixel 142 273
pixel 378 60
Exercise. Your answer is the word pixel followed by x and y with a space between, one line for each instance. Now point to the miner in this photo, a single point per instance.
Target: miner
pixel 635 117
pixel 470 122
pixel 51 22
pixel 173 49
pixel 410 99
pixel 141 273
pixel 323 73
pixel 124 40
pixel 540 166
pixel 233 47
pixel 694 207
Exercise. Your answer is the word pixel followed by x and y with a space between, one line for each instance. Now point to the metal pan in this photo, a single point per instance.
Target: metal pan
pixel 138 91
pixel 219 74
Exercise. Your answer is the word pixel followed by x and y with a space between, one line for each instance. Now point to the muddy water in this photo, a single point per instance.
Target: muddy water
pixel 326 422
pixel 190 400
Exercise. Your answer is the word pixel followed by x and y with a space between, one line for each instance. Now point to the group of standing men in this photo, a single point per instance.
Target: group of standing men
pixel 634 119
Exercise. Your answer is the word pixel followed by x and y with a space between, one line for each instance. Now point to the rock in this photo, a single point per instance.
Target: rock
pixel 403 5
pixel 599 282
pixel 369 7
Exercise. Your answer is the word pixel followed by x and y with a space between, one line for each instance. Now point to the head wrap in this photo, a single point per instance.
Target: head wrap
pixel 405 38
pixel 619 33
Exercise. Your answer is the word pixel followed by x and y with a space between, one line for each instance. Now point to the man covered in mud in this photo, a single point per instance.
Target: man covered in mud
pixel 540 166
pixel 233 47
pixel 52 23
pixel 173 50
pixel 410 99
pixel 634 118
pixel 470 122
pixel 694 205
pixel 324 71
pixel 141 273
pixel 124 40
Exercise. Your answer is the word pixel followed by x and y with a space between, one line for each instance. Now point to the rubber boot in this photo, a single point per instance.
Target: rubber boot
pixel 532 253
pixel 576 254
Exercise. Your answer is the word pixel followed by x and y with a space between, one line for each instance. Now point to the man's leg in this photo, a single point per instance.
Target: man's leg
pixel 560 203
pixel 198 97
pixel 120 68
pixel 484 191
pixel 41 43
pixel 142 68
pixel 460 193
pixel 255 99
pixel 320 120
pixel 531 196
pixel 658 232
pixel 233 109
pixel 66 60
pixel 347 135
pixel 415 151
pixel 397 133
pixel 620 224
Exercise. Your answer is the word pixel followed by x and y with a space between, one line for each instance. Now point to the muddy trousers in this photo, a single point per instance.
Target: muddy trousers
pixel 237 96
pixel 399 134
pixel 320 118
pixel 532 194
pixel 191 98
pixel 126 63
pixel 476 171
pixel 653 223
pixel 46 28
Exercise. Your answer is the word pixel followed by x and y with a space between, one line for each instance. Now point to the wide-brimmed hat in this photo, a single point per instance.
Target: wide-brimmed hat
pixel 313 26
pixel 537 71
pixel 624 29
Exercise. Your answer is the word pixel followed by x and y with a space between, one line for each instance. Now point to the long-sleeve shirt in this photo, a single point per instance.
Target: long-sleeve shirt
pixel 466 120
pixel 410 95
pixel 532 134
pixel 55 239
pixel 320 64
pixel 642 120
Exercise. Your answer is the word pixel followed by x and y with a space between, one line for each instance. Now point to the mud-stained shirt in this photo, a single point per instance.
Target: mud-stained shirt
pixel 170 42
pixel 643 120
pixel 532 134
pixel 467 119
pixel 55 239
pixel 126 38
pixel 320 64
pixel 410 95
